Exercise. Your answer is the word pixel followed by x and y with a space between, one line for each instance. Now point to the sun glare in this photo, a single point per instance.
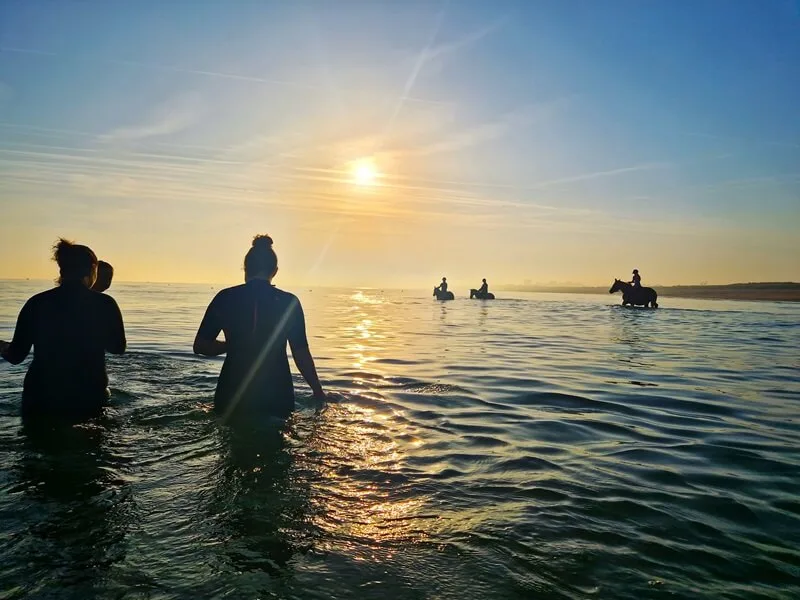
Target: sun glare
pixel 364 173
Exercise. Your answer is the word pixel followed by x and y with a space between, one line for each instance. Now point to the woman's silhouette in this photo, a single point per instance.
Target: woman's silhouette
pixel 258 319
pixel 70 329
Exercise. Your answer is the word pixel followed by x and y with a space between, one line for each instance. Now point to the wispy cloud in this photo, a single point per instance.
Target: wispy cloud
pixel 430 52
pixel 171 117
pixel 741 141
pixel 10 50
pixel 161 67
pixel 492 130
pixel 90 172
pixel 419 62
pixel 466 41
pixel 651 166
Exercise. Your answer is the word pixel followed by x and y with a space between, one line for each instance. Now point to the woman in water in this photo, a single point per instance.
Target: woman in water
pixel 105 273
pixel 257 319
pixel 70 328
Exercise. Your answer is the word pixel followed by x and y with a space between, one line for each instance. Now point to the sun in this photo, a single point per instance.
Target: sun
pixel 364 173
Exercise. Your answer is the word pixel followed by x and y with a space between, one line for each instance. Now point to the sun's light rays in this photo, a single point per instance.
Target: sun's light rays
pixel 365 173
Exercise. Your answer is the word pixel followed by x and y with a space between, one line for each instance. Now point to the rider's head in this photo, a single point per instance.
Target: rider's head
pixel 444 278
pixel 484 280
pixel 636 271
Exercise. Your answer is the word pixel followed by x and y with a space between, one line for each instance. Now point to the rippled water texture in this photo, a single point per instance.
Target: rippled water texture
pixel 539 446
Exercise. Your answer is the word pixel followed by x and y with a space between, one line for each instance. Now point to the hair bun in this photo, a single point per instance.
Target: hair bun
pixel 63 244
pixel 262 241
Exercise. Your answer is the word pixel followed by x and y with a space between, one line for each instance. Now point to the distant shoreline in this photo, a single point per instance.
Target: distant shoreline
pixel 765 292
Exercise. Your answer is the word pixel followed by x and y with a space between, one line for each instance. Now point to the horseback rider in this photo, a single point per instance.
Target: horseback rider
pixel 637 279
pixel 484 289
pixel 442 286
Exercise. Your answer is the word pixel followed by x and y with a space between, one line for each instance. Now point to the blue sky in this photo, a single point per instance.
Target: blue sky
pixel 547 141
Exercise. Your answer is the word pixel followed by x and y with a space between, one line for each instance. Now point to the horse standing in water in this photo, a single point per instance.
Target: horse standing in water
pixel 473 293
pixel 440 295
pixel 641 296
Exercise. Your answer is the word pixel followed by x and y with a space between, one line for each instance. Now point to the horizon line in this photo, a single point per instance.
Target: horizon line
pixel 508 286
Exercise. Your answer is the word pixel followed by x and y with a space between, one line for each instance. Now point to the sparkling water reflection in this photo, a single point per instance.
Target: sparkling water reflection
pixel 535 446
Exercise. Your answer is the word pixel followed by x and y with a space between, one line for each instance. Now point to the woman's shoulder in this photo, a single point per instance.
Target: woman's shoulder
pixel 37 299
pixel 45 297
pixel 103 300
pixel 232 292
pixel 285 296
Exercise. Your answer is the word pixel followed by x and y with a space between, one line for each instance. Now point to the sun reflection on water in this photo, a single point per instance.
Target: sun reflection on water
pixel 362 334
pixel 367 497
pixel 363 298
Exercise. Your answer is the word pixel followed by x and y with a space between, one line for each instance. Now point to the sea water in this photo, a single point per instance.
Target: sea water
pixel 534 446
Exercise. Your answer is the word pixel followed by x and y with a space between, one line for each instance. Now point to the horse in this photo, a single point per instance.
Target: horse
pixel 634 296
pixel 440 295
pixel 473 293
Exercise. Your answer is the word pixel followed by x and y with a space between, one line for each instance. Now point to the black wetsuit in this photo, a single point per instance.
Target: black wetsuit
pixel 70 328
pixel 258 319
pixel 484 289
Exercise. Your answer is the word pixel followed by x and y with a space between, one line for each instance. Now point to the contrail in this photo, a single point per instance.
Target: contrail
pixel 423 56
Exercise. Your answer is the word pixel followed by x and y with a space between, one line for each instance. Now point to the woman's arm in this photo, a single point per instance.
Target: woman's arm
pixel 206 347
pixel 298 342
pixel 206 342
pixel 20 346
pixel 115 342
pixel 305 364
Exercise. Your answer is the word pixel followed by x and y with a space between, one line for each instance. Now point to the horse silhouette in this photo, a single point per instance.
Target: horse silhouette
pixel 635 296
pixel 473 293
pixel 440 295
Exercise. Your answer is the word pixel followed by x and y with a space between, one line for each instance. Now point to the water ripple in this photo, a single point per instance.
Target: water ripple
pixel 534 447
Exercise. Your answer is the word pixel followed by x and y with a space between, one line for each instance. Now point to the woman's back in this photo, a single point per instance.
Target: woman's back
pixel 258 320
pixel 70 329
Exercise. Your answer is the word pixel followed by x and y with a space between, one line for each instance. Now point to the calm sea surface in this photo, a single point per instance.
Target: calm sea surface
pixel 537 446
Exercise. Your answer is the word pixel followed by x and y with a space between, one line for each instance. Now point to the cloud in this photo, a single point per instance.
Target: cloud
pixel 425 58
pixel 741 142
pixel 600 174
pixel 485 132
pixel 449 48
pixel 310 184
pixel 175 115
pixel 159 67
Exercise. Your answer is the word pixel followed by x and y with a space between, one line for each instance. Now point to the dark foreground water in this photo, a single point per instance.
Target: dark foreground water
pixel 532 447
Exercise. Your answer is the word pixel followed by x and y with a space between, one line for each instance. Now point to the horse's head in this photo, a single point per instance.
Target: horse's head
pixel 618 285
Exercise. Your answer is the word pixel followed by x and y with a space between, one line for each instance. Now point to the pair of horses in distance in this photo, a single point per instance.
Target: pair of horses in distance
pixel 473 293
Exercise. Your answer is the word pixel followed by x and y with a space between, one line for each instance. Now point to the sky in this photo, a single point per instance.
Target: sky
pixel 389 143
